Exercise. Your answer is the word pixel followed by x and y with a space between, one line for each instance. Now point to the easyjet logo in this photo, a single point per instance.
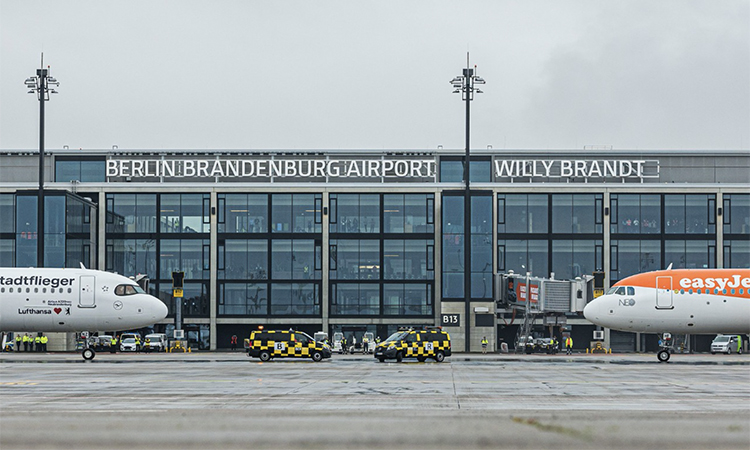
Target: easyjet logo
pixel 734 281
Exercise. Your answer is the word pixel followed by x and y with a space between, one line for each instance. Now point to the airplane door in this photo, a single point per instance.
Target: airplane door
pixel 664 293
pixel 86 297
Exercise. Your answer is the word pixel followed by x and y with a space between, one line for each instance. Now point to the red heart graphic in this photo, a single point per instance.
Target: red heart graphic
pixel 58 310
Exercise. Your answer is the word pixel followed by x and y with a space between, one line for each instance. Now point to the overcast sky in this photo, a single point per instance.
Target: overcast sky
pixel 375 74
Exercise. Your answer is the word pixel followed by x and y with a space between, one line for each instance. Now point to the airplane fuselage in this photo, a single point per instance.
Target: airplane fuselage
pixel 52 300
pixel 689 301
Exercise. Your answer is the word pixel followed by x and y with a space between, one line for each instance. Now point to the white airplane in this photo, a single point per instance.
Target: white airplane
pixel 52 300
pixel 684 301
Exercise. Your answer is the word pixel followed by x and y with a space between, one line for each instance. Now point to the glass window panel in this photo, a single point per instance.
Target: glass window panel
pixel 183 255
pixel 281 213
pixel 303 259
pixel 736 214
pixel 303 206
pixel 244 213
pixel 632 257
pixel 26 231
pixel 690 254
pixel 7 213
pixel 480 171
pixel 696 214
pixel 131 257
pixel 562 213
pixel 416 208
pixel 7 253
pixel 66 171
pixel 297 299
pixel 571 259
pixel 406 300
pixel 281 259
pixel 737 253
pixel 451 171
pixel 356 299
pixel 394 213
pixel 369 217
pixel 674 214
pixel 243 299
pixel 245 259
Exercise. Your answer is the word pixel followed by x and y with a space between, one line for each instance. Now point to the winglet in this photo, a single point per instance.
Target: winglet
pixel 670 267
pixel 82 266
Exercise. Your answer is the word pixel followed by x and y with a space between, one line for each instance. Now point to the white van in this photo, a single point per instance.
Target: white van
pixel 157 342
pixel 724 344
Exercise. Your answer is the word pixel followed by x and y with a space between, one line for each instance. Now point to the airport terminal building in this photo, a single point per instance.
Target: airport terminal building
pixel 373 240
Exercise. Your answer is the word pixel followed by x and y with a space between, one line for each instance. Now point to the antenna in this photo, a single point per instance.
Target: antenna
pixel 42 66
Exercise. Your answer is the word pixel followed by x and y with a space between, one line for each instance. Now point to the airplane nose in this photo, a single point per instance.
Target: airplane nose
pixel 158 309
pixel 589 311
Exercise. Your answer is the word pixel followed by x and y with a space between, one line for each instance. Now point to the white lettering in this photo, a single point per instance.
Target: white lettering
pixel 623 165
pixel 217 170
pixel 188 168
pixel 233 168
pixel 248 168
pixel 566 168
pixel 547 167
pixel 580 169
pixel 594 170
pixel 112 168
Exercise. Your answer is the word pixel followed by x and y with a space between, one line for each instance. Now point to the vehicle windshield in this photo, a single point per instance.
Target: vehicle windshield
pixel 129 341
pixel 396 336
pixel 721 339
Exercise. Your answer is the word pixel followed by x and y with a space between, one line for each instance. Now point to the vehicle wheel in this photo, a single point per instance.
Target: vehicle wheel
pixel 399 357
pixel 713 353
pixel 663 356
pixel 264 356
pixel 421 358
pixel 317 356
pixel 381 359
pixel 88 354
pixel 439 356
pixel 739 351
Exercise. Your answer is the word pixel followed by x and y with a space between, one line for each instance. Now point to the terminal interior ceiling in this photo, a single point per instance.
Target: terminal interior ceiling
pixel 347 244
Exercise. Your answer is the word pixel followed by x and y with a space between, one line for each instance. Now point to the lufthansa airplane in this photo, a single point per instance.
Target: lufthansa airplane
pixel 82 299
pixel 684 301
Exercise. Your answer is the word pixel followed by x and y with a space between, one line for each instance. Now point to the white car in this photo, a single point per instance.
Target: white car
pixel 128 345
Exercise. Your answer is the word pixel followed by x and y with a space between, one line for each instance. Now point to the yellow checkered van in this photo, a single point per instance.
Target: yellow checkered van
pixel 432 342
pixel 268 344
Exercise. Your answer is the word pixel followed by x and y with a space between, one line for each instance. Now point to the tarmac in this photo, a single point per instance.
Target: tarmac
pixel 227 400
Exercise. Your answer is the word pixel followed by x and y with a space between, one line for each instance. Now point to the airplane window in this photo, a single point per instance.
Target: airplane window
pixel 44 290
pixel 51 290
pixel 10 290
pixel 690 291
pixel 127 289
pixel 620 290
pixel 70 290
pixel 611 290
pixel 631 291
pixel 732 291
pixel 28 290
pixel 2 290
pixel 36 290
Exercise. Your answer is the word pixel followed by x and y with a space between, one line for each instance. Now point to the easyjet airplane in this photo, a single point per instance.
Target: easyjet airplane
pixel 685 301
pixel 52 300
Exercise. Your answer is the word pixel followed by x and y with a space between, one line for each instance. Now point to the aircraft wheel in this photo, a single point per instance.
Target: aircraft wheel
pixel 264 356
pixel 663 356
pixel 88 354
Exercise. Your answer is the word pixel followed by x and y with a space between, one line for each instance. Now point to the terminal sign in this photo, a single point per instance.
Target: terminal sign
pixel 450 320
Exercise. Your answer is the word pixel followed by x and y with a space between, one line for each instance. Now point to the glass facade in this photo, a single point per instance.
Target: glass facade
pixel 376 239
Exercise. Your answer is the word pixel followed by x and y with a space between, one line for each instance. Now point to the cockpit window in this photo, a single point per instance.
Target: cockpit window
pixel 128 289
pixel 631 290
pixel 620 290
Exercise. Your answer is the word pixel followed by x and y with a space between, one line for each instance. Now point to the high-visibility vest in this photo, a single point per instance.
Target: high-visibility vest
pixel 484 341
pixel 44 339
pixel 113 341
pixel 18 338
pixel 25 338
pixel 37 340
pixel 569 342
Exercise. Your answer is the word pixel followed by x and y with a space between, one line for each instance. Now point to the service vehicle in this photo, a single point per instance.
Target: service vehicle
pixel 724 344
pixel 268 344
pixel 431 342
pixel 128 345
pixel 157 342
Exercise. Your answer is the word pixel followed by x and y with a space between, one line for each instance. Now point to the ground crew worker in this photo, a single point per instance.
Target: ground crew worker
pixel 44 340
pixel 343 344
pixel 137 344
pixel 18 342
pixel 113 344
pixel 568 345
pixel 484 344
pixel 739 344
pixel 233 341
pixel 147 345
pixel 26 342
pixel 377 340
pixel 37 343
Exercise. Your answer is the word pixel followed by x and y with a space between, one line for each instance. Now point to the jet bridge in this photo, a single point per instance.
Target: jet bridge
pixel 542 300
